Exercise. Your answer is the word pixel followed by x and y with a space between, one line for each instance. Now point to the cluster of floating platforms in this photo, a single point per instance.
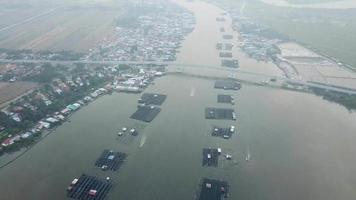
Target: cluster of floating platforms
pixel 230 63
pixel 89 188
pixel 225 133
pixel 110 160
pixel 145 110
pixel 224 98
pixel 213 189
pixel 227 84
pixel 210 157
pixel 152 99
pixel 220 113
pixel 225 54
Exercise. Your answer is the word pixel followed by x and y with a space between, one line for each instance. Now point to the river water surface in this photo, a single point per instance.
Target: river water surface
pixel 301 146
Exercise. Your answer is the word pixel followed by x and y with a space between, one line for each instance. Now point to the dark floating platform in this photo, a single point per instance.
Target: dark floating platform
pixel 227 84
pixel 225 133
pixel 225 54
pixel 146 113
pixel 89 188
pixel 152 99
pixel 220 19
pixel 228 37
pixel 223 98
pixel 228 46
pixel 210 157
pixel 220 113
pixel 110 160
pixel 219 46
pixel 213 189
pixel 230 63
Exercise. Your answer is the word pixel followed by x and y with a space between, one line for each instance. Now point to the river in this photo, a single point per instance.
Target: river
pixel 301 146
pixel 337 4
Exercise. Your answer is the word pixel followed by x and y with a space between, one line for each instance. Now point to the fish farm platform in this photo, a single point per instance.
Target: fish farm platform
pixel 228 37
pixel 110 160
pixel 210 157
pixel 152 99
pixel 88 188
pixel 223 98
pixel 225 54
pixel 230 63
pixel 225 133
pixel 213 189
pixel 146 113
pixel 227 84
pixel 220 113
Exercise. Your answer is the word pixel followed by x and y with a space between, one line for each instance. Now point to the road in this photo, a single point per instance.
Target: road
pixel 182 66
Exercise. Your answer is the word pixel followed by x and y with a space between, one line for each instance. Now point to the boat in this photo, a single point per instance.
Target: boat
pixel 120 133
pixel 248 156
pixel 228 157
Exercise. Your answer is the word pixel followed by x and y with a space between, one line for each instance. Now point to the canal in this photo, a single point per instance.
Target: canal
pixel 301 146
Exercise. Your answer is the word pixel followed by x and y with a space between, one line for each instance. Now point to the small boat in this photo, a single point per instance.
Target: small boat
pixel 124 129
pixel 248 156
pixel 228 157
pixel 120 133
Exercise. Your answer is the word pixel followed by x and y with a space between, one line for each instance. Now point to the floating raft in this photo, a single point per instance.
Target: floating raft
pixel 210 157
pixel 220 113
pixel 213 189
pixel 230 63
pixel 223 98
pixel 223 132
pixel 152 99
pixel 220 19
pixel 110 160
pixel 219 46
pixel 225 54
pixel 89 188
pixel 228 46
pixel 146 113
pixel 228 37
pixel 227 84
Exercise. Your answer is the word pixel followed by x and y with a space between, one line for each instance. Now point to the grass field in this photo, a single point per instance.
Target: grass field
pixel 76 26
pixel 9 91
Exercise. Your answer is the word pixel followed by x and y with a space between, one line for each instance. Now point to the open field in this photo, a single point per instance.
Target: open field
pixel 76 27
pixel 9 91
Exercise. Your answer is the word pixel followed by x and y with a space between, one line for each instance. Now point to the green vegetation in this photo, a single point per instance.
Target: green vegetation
pixel 348 101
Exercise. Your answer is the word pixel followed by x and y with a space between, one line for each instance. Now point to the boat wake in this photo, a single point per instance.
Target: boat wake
pixel 143 141
pixel 192 92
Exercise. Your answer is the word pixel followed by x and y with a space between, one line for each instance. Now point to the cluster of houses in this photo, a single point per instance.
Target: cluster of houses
pixel 156 37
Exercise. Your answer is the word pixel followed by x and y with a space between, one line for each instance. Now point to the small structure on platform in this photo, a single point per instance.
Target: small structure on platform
pixel 146 113
pixel 223 98
pixel 210 157
pixel 110 160
pixel 225 133
pixel 211 189
pixel 152 99
pixel 227 84
pixel 220 113
pixel 225 54
pixel 88 187
pixel 230 63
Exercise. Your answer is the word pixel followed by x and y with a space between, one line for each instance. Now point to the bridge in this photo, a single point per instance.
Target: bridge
pixel 183 66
